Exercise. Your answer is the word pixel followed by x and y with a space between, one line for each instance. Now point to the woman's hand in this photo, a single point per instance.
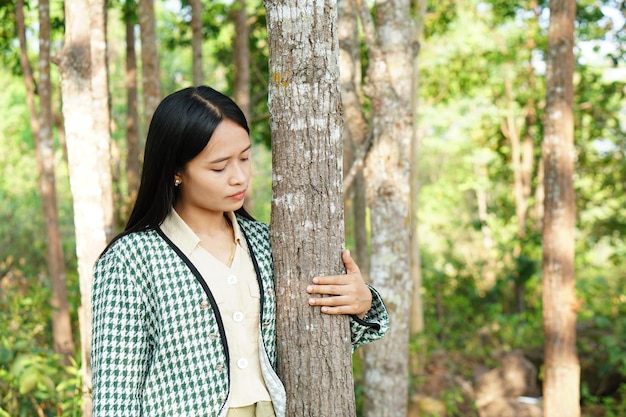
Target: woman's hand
pixel 350 294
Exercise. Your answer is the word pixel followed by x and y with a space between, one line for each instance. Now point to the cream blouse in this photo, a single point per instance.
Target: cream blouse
pixel 236 292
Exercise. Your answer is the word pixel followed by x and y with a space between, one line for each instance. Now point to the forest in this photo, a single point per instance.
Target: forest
pixel 469 336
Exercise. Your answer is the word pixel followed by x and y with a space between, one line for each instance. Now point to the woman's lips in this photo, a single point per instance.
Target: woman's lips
pixel 239 196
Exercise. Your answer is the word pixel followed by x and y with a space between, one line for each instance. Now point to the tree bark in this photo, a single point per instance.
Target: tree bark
pixel 41 126
pixel 314 350
pixel 149 59
pixel 132 115
pixel 85 166
pixel 242 57
pixel 101 132
pixel 417 305
pixel 196 41
pixel 391 48
pixel 512 133
pixel 562 370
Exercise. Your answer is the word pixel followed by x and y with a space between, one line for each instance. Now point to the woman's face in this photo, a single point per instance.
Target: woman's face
pixel 215 181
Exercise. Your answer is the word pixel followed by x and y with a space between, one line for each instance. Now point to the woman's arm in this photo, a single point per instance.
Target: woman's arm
pixel 120 353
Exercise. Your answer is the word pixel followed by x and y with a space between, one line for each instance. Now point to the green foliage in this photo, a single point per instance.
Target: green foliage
pixel 32 378
pixel 21 242
pixel 261 187
pixel 218 56
pixel 9 53
pixel 469 265
pixel 602 332
pixel 439 15
pixel 471 262
pixel 613 406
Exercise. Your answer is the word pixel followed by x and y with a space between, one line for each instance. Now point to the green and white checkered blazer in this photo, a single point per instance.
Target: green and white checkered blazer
pixel 159 346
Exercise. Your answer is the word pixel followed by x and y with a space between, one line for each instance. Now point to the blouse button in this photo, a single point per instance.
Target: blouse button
pixel 242 363
pixel 204 304
pixel 237 316
pixel 232 279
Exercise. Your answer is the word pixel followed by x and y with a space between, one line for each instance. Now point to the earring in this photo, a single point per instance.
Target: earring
pixel 176 182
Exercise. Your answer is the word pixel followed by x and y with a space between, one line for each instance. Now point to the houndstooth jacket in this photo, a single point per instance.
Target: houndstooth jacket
pixel 159 346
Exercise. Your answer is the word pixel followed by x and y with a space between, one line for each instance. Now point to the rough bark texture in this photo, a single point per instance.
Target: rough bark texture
pixel 391 48
pixel 41 126
pixel 314 350
pixel 85 168
pixel 196 41
pixel 355 130
pixel 149 59
pixel 562 370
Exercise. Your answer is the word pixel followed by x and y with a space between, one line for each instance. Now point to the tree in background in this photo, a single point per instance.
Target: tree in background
pixel 468 220
pixel 132 122
pixel 314 349
pixel 101 133
pixel 196 42
pixel 241 57
pixel 357 139
pixel 41 125
pixel 562 370
pixel 391 47
pixel 88 165
pixel 417 301
pixel 149 59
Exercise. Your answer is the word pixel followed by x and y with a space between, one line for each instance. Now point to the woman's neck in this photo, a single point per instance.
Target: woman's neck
pixel 205 223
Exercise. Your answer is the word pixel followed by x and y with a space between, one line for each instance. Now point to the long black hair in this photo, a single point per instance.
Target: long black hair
pixel 181 127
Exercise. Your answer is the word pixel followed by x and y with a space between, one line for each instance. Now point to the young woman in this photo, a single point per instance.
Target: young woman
pixel 183 300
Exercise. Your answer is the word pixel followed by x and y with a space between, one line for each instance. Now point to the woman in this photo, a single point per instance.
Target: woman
pixel 183 300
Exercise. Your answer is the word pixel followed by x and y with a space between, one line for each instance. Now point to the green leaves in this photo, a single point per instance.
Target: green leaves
pixel 27 379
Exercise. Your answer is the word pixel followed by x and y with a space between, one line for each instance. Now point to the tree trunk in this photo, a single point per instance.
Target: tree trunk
pixel 512 133
pixel 41 126
pixel 196 41
pixel 355 126
pixel 481 175
pixel 417 305
pixel 85 166
pixel 242 57
pixel 391 48
pixel 101 107
pixel 562 370
pixel 149 59
pixel 539 197
pixel 132 115
pixel 314 350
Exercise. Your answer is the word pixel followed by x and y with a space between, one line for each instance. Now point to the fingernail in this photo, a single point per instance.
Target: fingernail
pixel 309 288
pixel 311 301
pixel 315 280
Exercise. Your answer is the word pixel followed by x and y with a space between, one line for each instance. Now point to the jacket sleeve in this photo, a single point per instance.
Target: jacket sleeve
pixel 120 344
pixel 373 326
